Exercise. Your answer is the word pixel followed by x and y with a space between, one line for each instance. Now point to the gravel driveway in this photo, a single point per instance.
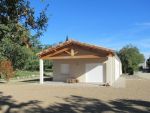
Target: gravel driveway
pixel 143 75
pixel 35 98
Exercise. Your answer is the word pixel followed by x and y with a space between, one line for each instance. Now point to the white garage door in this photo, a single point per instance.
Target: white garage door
pixel 94 72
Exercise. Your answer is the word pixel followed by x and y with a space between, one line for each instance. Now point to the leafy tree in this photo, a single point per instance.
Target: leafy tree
pixel 32 63
pixel 130 57
pixel 17 20
pixel 148 62
pixel 17 54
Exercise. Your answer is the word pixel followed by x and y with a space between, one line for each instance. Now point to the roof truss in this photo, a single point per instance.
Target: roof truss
pixel 71 49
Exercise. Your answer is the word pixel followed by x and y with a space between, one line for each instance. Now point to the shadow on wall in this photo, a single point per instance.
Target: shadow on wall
pixel 77 68
pixel 74 104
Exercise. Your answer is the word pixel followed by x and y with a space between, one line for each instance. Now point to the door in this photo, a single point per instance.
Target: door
pixel 94 73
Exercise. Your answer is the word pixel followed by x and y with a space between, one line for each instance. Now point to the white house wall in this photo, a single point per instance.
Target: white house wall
pixel 112 69
pixel 117 69
pixel 77 68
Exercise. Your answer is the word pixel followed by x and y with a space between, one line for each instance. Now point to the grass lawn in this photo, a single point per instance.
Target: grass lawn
pixel 21 74
pixel 25 74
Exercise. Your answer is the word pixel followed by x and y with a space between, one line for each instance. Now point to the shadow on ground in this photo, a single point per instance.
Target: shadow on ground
pixel 37 80
pixel 2 82
pixel 74 104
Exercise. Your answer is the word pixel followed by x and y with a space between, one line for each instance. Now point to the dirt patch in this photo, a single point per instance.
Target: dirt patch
pixel 36 98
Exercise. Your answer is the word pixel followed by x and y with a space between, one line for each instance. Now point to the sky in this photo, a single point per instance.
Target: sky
pixel 108 23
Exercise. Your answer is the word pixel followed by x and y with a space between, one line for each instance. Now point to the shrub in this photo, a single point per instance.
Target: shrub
pixel 141 68
pixel 6 69
pixel 130 71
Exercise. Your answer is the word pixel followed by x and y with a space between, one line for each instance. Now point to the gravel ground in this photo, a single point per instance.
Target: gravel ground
pixel 143 75
pixel 24 97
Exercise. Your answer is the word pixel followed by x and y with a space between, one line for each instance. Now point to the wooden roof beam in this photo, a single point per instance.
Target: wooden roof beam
pixel 73 57
pixel 58 52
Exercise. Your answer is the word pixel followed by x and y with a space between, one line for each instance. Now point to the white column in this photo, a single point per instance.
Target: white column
pixel 109 76
pixel 41 71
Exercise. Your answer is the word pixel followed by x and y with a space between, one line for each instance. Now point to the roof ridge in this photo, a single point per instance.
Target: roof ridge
pixel 93 45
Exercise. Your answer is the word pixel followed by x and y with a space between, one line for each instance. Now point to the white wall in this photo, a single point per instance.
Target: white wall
pixel 113 69
pixel 117 69
pixel 77 68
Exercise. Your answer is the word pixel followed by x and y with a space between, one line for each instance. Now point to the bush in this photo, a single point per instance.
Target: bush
pixel 6 69
pixel 130 71
pixel 141 68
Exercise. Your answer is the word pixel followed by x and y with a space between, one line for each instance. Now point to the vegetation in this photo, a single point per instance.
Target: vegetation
pixel 17 44
pixel 18 19
pixel 148 62
pixel 6 70
pixel 26 74
pixel 17 54
pixel 130 57
pixel 23 74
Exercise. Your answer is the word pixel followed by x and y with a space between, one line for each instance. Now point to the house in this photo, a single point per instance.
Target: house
pixel 83 62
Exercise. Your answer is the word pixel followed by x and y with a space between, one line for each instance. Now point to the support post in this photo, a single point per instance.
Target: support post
pixel 109 71
pixel 41 71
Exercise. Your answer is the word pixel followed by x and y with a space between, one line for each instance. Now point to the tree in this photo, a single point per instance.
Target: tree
pixel 15 53
pixel 67 38
pixel 17 21
pixel 130 57
pixel 17 17
pixel 148 62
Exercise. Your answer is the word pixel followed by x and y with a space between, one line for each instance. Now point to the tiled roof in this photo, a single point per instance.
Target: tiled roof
pixel 73 42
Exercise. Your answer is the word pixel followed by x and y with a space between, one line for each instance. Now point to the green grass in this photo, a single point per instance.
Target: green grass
pixel 25 74
pixel 19 74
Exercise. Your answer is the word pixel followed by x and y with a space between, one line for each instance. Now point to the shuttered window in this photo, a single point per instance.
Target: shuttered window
pixel 64 68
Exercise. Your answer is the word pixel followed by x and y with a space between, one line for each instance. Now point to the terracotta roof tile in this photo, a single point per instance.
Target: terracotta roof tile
pixel 54 48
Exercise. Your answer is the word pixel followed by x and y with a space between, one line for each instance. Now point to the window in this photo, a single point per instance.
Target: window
pixel 64 68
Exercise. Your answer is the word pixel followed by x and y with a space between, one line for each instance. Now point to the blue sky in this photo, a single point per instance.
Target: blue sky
pixel 108 23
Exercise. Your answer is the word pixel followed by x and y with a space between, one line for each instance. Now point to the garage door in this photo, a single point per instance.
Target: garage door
pixel 94 72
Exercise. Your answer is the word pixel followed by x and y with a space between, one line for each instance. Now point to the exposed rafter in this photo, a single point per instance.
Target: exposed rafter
pixel 58 52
